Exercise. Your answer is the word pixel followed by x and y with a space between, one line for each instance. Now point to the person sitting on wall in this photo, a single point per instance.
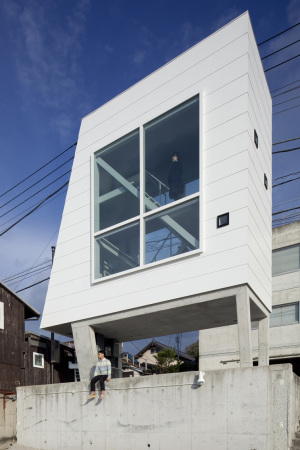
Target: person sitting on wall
pixel 102 373
pixel 176 187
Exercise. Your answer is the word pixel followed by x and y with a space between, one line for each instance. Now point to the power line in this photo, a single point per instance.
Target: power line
pixel 286 85
pixel 284 31
pixel 10 277
pixel 284 176
pixel 288 140
pixel 284 182
pixel 286 210
pixel 285 92
pixel 27 287
pixel 33 195
pixel 283 62
pixel 34 209
pixel 283 48
pixel 34 184
pixel 29 176
pixel 30 276
pixel 27 209
pixel 286 101
pixel 288 109
pixel 284 151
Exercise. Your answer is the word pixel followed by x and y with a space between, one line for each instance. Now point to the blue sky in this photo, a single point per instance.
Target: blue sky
pixel 61 60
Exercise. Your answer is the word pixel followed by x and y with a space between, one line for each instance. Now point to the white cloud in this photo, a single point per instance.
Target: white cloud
pixel 293 12
pixel 139 57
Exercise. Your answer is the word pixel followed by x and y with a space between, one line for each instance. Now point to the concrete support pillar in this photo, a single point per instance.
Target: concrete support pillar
pixel 263 342
pixel 86 350
pixel 244 328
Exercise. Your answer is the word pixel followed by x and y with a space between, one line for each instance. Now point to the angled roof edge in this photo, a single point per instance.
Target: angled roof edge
pixel 164 346
pixel 29 310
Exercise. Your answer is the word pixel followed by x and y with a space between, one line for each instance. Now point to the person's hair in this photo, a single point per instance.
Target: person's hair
pixel 101 351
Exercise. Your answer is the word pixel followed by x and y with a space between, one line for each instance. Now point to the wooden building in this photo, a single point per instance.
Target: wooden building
pixel 26 358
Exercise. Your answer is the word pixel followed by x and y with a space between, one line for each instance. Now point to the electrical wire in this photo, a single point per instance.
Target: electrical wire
pixel 34 209
pixel 283 62
pixel 286 210
pixel 288 109
pixel 30 276
pixel 10 277
pixel 29 176
pixel 283 48
pixel 284 176
pixel 27 209
pixel 27 287
pixel 288 140
pixel 37 182
pixel 284 31
pixel 286 101
pixel 287 150
pixel 33 195
pixel 285 92
pixel 284 182
pixel 286 85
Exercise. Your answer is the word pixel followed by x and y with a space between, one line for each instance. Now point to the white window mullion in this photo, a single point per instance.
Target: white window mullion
pixel 142 195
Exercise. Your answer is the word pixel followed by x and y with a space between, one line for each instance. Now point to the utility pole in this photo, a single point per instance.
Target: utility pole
pixel 52 336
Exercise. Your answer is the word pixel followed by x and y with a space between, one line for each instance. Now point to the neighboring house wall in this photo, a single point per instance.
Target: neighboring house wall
pixel 11 340
pixel 37 361
pixel 218 349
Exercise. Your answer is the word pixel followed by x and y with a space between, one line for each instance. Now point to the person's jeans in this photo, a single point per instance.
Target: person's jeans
pixel 101 379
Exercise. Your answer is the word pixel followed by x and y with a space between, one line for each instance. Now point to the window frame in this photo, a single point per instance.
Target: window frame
pixel 281 249
pixel 43 360
pixel 142 213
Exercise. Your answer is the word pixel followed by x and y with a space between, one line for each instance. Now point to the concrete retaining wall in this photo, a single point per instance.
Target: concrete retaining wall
pixel 8 418
pixel 235 409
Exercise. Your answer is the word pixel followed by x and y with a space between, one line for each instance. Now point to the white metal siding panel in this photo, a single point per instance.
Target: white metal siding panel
pixel 217 68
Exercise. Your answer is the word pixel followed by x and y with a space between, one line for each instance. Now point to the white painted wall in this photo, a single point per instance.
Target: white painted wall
pixel 225 69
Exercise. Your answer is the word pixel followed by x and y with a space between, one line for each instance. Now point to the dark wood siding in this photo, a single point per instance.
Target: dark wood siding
pixel 11 341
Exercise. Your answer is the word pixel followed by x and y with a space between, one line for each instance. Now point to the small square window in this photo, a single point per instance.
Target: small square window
pixel 223 220
pixel 255 139
pixel 266 181
pixel 38 360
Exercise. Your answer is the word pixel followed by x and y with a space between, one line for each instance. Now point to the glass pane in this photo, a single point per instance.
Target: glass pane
pixel 117 251
pixel 286 259
pixel 117 182
pixel 284 314
pixel 173 232
pixel 172 155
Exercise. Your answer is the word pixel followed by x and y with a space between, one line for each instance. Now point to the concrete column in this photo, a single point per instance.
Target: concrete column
pixel 263 342
pixel 86 350
pixel 244 328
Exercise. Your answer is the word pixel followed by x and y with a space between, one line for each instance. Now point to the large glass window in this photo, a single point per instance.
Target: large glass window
pixel 117 250
pixel 117 182
pixel 286 259
pixel 172 232
pixel 136 223
pixel 172 155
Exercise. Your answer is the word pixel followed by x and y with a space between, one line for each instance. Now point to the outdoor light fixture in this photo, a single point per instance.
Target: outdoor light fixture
pixel 266 181
pixel 201 380
pixel 223 220
pixel 255 139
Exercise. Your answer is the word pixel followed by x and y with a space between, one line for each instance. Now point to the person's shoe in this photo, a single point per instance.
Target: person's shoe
pixel 102 396
pixel 91 396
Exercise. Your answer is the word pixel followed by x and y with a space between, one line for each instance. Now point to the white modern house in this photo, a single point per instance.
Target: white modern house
pixel 167 221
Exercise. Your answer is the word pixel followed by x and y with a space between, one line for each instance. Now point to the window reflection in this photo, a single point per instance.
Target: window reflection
pixel 173 232
pixel 172 155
